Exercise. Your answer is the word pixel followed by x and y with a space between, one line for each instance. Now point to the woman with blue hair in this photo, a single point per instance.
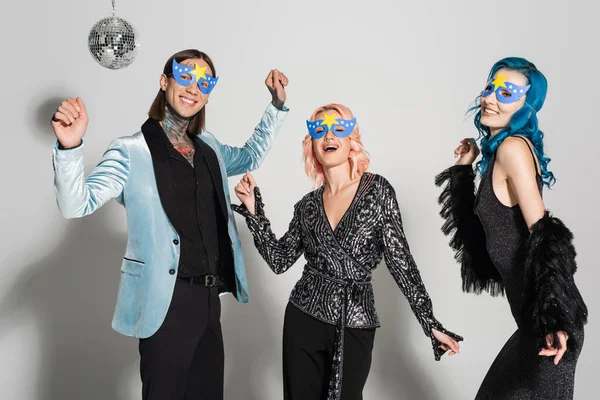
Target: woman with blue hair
pixel 509 244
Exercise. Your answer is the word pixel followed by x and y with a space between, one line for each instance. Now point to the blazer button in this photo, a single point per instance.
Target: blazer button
pixel 175 241
pixel 172 271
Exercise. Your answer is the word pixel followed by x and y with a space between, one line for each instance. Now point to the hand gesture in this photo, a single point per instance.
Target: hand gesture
pixel 70 122
pixel 245 192
pixel 446 342
pixel 276 82
pixel 555 351
pixel 466 152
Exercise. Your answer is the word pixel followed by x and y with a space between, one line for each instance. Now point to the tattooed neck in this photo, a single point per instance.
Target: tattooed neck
pixel 175 127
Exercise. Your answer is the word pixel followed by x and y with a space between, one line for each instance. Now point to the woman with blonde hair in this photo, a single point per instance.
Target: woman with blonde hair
pixel 344 228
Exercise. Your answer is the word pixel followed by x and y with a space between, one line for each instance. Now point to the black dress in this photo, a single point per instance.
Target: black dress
pixel 518 372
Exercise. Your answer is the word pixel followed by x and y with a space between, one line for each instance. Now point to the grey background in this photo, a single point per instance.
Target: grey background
pixel 408 70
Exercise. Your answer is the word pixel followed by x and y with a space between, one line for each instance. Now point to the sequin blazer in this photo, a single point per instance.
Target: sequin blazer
pixel 336 282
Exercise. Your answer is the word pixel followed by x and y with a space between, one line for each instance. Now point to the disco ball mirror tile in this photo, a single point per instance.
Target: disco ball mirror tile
pixel 113 43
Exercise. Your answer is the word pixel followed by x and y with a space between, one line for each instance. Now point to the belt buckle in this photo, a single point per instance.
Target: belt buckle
pixel 210 280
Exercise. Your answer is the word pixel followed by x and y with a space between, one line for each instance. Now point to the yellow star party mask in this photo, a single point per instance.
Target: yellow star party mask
pixel 506 92
pixel 186 76
pixel 340 127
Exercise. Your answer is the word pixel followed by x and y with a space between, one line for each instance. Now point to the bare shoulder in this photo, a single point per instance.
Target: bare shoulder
pixel 514 153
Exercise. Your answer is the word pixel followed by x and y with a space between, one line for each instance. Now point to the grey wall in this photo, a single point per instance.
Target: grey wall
pixel 408 70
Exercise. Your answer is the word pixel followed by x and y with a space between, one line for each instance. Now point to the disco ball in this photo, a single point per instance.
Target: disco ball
pixel 113 43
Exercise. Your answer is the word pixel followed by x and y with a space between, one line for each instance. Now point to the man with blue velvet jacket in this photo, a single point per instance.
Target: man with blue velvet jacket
pixel 183 248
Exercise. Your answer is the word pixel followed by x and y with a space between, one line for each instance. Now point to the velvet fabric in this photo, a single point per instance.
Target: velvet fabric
pixel 126 173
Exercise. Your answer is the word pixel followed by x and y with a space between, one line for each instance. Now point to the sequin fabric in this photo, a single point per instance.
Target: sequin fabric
pixel 335 286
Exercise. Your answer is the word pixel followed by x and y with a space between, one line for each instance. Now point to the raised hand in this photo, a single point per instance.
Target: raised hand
pixel 70 122
pixel 245 192
pixel 276 82
pixel 466 152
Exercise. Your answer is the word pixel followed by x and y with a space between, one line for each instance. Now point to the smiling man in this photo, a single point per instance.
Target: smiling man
pixel 183 248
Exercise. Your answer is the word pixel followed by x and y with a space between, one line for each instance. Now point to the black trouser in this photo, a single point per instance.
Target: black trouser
pixel 184 359
pixel 308 346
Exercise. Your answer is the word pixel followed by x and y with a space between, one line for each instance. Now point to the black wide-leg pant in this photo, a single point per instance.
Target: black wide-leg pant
pixel 308 347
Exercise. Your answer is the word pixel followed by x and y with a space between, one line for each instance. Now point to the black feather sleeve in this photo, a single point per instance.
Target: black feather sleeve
pixel 553 302
pixel 467 235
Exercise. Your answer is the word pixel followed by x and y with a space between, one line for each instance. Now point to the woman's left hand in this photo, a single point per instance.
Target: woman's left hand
pixel 557 351
pixel 447 343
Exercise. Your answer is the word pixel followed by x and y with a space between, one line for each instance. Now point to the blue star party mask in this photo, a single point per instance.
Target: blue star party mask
pixel 506 92
pixel 186 76
pixel 340 127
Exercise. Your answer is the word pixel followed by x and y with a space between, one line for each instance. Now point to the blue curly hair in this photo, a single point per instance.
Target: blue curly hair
pixel 524 122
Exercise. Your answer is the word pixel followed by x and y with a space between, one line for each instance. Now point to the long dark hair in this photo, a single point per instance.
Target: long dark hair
pixel 157 109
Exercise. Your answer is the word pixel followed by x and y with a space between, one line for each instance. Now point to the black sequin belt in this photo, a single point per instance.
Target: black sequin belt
pixel 351 288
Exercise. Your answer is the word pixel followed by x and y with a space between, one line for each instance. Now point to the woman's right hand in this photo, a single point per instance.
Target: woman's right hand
pixel 555 350
pixel 466 152
pixel 245 192
pixel 70 122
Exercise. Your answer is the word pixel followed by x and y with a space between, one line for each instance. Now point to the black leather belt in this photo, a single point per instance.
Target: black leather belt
pixel 205 280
